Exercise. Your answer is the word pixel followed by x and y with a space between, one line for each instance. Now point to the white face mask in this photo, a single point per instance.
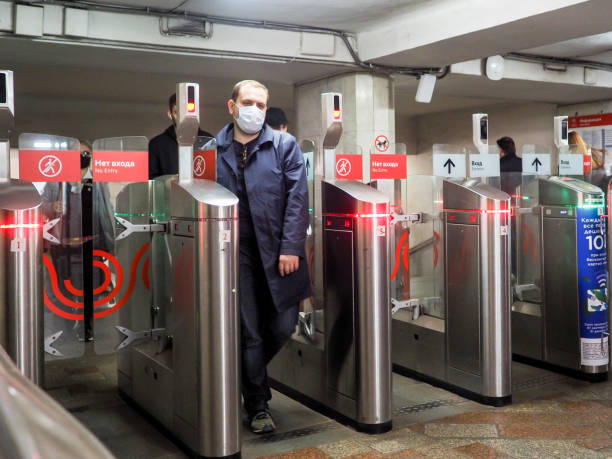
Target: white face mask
pixel 250 119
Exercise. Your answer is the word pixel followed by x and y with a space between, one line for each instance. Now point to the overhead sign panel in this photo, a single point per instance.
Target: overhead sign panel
pixel 536 164
pixel 449 165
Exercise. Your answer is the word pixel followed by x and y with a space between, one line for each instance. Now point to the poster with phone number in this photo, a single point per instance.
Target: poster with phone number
pixel 592 286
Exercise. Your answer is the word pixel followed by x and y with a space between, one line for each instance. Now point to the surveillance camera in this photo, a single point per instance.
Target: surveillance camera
pixel 494 68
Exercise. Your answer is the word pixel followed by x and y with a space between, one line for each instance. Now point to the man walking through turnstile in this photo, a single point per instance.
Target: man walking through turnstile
pixel 265 169
pixel 163 149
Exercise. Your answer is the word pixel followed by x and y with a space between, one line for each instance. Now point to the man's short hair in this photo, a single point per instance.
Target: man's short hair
pixel 243 84
pixel 172 101
pixel 507 144
pixel 275 117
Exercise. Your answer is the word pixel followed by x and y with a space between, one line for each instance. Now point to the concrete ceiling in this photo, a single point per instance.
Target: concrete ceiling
pixel 99 72
pixel 593 47
pixel 347 15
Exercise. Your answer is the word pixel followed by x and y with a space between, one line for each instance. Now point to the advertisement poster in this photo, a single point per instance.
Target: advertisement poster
pixel 596 132
pixel 592 286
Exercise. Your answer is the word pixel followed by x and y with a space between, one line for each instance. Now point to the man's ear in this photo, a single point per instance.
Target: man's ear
pixel 230 106
pixel 169 113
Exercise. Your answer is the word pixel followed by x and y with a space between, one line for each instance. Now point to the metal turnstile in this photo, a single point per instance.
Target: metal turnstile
pixel 342 365
pixel 180 360
pixel 183 367
pixel 465 344
pixel 21 305
pixel 21 228
pixel 560 310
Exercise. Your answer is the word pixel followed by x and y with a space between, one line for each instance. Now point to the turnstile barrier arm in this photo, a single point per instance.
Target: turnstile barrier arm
pixel 133 336
pixel 139 228
pixel 414 304
pixel 406 218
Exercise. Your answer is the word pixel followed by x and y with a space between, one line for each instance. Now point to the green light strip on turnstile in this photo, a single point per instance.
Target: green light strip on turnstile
pixel 310 210
pixel 124 214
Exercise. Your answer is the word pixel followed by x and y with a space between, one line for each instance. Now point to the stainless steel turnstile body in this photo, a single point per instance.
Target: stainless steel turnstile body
pixel 546 313
pixel 21 297
pixel 186 374
pixel 344 365
pixel 466 346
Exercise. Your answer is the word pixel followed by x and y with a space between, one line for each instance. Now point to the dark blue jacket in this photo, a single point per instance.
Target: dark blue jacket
pixel 276 185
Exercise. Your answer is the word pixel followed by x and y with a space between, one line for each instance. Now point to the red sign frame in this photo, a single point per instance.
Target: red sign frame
pixel 349 167
pixel 388 167
pixel 586 121
pixel 205 164
pixel 120 166
pixel 49 165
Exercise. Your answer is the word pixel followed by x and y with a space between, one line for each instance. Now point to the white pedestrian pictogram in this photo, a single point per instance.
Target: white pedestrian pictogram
pixel 343 167
pixel 199 166
pixel 50 166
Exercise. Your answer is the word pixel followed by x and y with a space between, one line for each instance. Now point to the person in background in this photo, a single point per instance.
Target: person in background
pixel 508 161
pixel 594 160
pixel 276 119
pixel 163 149
pixel 265 169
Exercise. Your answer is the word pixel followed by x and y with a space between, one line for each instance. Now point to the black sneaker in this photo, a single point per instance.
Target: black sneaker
pixel 262 423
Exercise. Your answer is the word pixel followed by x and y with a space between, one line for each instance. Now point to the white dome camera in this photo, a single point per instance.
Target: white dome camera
pixel 494 67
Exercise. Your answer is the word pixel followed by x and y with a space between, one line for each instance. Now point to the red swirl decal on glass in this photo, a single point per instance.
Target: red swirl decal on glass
pixel 65 301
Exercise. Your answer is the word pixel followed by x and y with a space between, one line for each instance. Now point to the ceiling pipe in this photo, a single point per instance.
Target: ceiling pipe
pixel 535 58
pixel 440 72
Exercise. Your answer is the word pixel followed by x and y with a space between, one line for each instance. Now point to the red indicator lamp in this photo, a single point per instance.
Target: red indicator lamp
pixel 451 216
pixel 329 222
pixel 191 99
pixel 473 218
pixel 336 107
pixel 347 223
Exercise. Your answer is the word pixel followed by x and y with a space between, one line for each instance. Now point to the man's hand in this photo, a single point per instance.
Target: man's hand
pixel 288 264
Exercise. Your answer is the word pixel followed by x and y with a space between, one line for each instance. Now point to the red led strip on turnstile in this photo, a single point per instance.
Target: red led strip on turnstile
pixel 493 211
pixel 357 215
pixel 20 225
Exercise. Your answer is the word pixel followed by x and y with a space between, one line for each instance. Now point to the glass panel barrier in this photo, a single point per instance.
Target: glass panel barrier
pixel 416 259
pixel 121 251
pixel 62 263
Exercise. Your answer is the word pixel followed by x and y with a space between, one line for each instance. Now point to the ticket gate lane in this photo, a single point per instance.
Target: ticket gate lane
pixel 185 372
pixel 465 346
pixel 551 310
pixel 346 370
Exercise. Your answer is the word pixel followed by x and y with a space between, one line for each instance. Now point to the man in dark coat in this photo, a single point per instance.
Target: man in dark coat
pixel 163 149
pixel 265 169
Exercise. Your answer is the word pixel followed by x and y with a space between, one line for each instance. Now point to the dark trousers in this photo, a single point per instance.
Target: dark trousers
pixel 264 330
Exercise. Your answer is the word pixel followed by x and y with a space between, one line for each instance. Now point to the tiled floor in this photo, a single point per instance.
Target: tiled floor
pixel 552 416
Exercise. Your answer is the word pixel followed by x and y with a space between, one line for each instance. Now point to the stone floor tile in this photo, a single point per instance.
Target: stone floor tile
pixel 596 443
pixel 478 450
pixel 305 453
pixel 445 449
pixel 551 431
pixel 387 446
pixel 538 449
pixel 546 406
pixel 370 455
pixel 344 448
pixel 461 430
pixel 405 454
